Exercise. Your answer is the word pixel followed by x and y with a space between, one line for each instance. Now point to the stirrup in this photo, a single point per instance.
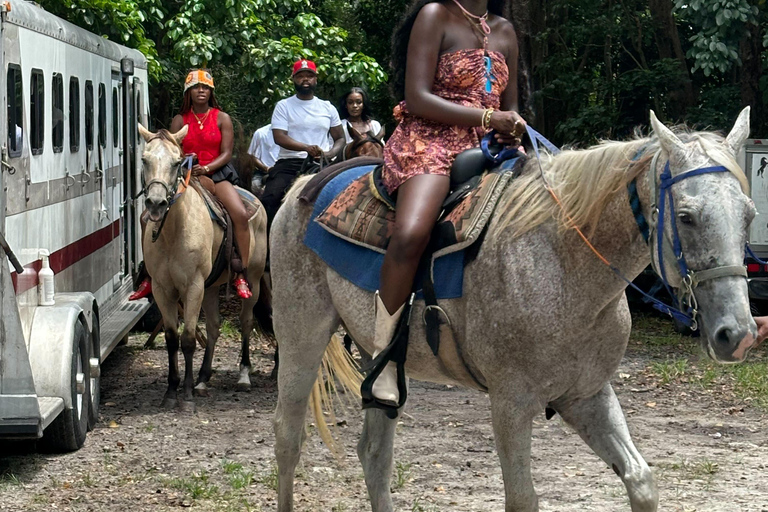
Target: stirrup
pixel 242 288
pixel 144 289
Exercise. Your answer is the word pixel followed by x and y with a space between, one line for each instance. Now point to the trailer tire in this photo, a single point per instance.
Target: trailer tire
pixel 67 432
pixel 95 392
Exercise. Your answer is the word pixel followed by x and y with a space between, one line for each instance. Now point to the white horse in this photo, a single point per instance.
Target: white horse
pixel 543 323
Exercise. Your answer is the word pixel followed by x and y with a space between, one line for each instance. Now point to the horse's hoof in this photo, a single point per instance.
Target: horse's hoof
pixel 243 386
pixel 201 391
pixel 169 403
pixel 187 406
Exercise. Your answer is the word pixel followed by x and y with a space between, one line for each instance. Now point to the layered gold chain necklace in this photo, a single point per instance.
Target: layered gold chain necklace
pixel 201 121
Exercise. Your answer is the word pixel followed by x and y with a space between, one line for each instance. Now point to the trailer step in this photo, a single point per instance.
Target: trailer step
pixel 119 323
pixel 50 408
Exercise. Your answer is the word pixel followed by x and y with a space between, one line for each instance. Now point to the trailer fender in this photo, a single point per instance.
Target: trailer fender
pixel 50 347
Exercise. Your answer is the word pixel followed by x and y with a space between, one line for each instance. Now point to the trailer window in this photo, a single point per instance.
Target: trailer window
pixel 57 112
pixel 15 110
pixel 115 118
pixel 37 112
pixel 74 114
pixel 102 116
pixel 89 114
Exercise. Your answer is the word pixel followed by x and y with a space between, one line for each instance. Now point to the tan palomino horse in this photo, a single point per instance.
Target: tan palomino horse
pixel 181 259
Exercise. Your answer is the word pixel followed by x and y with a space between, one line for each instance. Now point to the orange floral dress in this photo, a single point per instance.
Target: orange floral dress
pixel 420 146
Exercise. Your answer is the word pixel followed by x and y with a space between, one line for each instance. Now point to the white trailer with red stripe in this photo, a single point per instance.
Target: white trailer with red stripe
pixel 69 167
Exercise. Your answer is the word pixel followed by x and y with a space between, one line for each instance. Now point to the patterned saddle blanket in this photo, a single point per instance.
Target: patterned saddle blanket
pixel 352 222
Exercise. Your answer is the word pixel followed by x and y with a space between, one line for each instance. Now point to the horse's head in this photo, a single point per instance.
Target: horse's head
pixel 704 215
pixel 161 158
pixel 363 145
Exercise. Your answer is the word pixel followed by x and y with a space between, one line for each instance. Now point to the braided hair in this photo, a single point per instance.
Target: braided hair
pixel 402 35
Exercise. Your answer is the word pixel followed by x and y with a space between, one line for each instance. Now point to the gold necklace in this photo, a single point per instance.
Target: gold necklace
pixel 201 122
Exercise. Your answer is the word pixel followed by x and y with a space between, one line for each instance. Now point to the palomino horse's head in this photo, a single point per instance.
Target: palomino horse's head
pixel 708 212
pixel 162 158
pixel 362 145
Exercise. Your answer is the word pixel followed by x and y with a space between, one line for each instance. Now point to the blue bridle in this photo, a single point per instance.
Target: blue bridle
pixel 686 311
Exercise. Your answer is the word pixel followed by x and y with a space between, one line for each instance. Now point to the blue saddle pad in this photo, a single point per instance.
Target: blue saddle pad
pixel 361 265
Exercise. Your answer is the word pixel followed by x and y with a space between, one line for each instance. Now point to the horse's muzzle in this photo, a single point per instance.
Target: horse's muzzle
pixel 731 344
pixel 156 208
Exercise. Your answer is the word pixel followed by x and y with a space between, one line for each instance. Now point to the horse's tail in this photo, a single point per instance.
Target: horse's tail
pixel 338 366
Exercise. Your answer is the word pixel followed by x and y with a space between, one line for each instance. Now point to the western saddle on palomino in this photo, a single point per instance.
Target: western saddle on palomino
pixel 350 228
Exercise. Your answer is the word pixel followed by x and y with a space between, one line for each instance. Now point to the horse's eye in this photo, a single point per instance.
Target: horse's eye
pixel 685 218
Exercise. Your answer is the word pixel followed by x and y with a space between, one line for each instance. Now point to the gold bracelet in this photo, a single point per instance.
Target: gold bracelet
pixel 486 119
pixel 207 169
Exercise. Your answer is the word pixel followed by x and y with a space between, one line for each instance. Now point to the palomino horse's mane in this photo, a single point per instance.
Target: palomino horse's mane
pixel 164 135
pixel 586 180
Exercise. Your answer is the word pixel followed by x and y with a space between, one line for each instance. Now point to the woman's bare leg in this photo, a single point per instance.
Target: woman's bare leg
pixel 419 202
pixel 226 192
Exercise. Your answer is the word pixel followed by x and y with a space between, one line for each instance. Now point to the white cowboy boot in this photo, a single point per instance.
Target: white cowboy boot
pixel 385 386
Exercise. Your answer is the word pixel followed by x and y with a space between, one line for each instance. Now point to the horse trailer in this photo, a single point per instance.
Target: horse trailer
pixel 69 171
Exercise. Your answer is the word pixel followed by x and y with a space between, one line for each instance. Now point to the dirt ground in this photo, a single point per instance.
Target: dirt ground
pixel 708 449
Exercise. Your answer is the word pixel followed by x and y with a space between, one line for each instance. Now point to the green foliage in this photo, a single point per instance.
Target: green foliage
pixel 720 26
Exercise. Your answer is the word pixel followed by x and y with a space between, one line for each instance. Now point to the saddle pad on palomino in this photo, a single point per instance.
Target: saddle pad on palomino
pixel 350 229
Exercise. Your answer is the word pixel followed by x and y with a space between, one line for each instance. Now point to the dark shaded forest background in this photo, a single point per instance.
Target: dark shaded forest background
pixel 591 68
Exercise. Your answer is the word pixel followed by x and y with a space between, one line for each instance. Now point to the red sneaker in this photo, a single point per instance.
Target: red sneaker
pixel 144 289
pixel 241 286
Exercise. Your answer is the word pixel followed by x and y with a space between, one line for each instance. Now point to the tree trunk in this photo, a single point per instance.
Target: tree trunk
pixel 751 70
pixel 668 44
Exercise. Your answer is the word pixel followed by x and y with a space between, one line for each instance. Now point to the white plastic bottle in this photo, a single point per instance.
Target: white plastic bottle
pixel 45 281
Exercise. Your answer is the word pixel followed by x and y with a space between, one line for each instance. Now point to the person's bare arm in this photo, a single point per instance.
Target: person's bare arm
pixel 177 123
pixel 337 132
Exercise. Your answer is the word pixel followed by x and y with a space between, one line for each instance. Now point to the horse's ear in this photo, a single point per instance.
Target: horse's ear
pixel 354 133
pixel 739 132
pixel 145 134
pixel 179 135
pixel 670 142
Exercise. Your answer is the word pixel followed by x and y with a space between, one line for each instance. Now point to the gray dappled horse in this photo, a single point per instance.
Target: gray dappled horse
pixel 542 323
pixel 181 259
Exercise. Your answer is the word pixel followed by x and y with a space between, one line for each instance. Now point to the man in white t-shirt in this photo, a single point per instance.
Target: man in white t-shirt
pixel 264 151
pixel 300 125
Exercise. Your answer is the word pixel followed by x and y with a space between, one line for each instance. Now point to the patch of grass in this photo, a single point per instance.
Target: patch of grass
pixel 150 427
pixel 231 467
pixel 751 382
pixel 339 507
pixel 670 370
pixel 8 480
pixel 197 486
pixel 269 479
pixel 402 474
pixel 693 470
pixel 229 330
pixel 651 331
pixel 418 506
pixel 87 480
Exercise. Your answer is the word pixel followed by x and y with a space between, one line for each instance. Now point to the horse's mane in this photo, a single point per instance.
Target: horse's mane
pixel 585 181
pixel 165 135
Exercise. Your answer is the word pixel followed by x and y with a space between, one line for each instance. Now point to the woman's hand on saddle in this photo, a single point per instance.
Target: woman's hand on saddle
pixel 509 126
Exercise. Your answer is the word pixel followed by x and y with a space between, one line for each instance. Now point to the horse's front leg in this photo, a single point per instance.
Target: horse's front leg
pixel 167 303
pixel 193 301
pixel 600 422
pixel 512 417
pixel 376 453
pixel 212 331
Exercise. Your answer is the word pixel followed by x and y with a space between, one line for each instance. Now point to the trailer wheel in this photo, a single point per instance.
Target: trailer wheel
pixel 95 373
pixel 67 432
